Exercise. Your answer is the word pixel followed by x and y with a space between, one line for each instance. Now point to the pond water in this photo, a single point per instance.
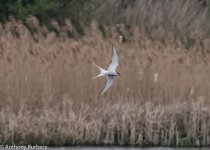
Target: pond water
pixel 126 148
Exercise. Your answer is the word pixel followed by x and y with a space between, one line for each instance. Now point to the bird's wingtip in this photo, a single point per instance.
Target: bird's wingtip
pixel 102 92
pixel 93 63
pixel 99 94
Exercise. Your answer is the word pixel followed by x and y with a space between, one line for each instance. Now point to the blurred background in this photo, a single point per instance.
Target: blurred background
pixel 178 16
pixel 47 48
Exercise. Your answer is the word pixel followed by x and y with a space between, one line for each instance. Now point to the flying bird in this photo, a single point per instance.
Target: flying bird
pixel 110 73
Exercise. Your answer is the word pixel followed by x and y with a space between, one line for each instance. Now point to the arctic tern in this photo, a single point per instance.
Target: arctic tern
pixel 110 73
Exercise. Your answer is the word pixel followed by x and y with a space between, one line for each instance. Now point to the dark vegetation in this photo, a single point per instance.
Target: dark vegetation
pixel 78 11
pixel 181 16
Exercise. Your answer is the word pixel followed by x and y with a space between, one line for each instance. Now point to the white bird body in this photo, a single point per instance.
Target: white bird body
pixel 110 73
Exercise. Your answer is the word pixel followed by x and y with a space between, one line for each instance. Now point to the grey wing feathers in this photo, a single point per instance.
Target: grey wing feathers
pixel 110 80
pixel 115 61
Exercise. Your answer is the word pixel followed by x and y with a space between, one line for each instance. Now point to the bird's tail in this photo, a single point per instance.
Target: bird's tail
pixel 102 73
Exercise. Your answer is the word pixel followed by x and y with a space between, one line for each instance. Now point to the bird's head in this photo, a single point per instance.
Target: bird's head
pixel 118 74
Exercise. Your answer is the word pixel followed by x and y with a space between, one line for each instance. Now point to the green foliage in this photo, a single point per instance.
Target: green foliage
pixel 103 30
pixel 78 11
pixel 20 9
pixel 133 12
pixel 185 142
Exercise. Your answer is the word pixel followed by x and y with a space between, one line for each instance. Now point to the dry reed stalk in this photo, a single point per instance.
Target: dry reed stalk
pixel 47 97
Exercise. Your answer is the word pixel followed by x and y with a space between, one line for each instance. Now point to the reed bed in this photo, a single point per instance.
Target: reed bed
pixel 48 98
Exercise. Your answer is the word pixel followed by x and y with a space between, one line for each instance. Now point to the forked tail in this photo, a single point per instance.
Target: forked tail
pixel 102 73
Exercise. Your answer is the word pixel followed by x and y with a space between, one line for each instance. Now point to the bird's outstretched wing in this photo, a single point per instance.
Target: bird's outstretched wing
pixel 115 61
pixel 110 80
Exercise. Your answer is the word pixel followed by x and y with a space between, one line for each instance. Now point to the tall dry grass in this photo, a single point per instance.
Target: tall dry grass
pixel 48 98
